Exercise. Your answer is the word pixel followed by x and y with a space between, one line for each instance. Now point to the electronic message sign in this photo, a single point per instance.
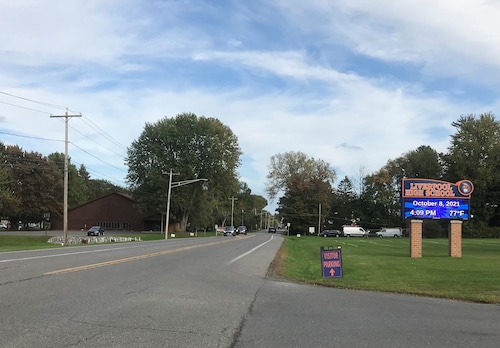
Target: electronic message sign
pixel 435 208
pixel 435 199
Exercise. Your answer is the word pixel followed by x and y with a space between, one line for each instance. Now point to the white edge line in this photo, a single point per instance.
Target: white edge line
pixel 249 251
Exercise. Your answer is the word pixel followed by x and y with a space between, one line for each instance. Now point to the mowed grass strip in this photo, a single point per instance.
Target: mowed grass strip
pixel 385 265
pixel 17 243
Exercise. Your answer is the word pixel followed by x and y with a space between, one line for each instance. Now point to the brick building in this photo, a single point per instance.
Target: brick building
pixel 114 212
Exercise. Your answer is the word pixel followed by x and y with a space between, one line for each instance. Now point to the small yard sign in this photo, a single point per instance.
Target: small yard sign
pixel 331 262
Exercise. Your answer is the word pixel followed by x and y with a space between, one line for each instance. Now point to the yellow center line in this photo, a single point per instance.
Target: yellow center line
pixel 134 258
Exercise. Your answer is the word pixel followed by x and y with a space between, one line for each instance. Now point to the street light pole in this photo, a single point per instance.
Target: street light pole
pixel 168 204
pixel 170 186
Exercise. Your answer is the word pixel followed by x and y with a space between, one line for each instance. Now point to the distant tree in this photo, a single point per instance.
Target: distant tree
pixel 77 188
pixel 474 154
pixel 192 147
pixel 344 203
pixel 97 188
pixel 283 166
pixel 9 203
pixel 34 185
pixel 424 162
pixel 299 206
pixel 380 200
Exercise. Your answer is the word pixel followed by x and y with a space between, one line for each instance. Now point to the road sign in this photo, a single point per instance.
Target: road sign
pixel 331 262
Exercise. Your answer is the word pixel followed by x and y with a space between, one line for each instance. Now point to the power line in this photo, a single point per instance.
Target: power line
pixel 97 158
pixel 23 107
pixel 102 132
pixel 85 136
pixel 34 101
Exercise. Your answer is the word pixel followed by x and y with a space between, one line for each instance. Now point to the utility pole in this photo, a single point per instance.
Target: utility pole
pixel 232 209
pixel 65 199
pixel 319 219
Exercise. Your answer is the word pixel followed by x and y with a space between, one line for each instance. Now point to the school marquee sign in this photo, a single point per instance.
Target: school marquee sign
pixel 436 199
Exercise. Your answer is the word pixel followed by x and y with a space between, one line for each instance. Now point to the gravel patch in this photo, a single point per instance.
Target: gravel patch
pixel 72 240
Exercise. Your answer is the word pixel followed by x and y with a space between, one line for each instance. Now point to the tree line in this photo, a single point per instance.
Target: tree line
pixel 473 154
pixel 31 185
pixel 194 147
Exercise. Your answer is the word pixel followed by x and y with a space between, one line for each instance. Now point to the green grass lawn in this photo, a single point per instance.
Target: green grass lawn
pixel 14 243
pixel 385 265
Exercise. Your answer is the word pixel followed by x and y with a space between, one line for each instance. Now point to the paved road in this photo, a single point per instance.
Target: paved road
pixel 211 292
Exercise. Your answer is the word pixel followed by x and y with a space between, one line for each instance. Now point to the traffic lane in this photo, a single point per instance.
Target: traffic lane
pixel 16 266
pixel 194 298
pixel 291 315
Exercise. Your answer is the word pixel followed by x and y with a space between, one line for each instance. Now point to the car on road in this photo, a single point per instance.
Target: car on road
pixel 330 233
pixel 229 231
pixel 95 231
pixel 271 230
pixel 3 226
pixel 241 230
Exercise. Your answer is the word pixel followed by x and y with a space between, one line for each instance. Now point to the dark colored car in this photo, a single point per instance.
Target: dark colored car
pixel 95 231
pixel 229 231
pixel 241 230
pixel 330 233
pixel 271 230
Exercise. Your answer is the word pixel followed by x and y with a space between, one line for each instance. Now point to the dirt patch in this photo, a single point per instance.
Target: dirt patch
pixel 276 267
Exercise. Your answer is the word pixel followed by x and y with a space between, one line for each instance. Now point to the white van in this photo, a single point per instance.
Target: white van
pixel 389 232
pixel 353 231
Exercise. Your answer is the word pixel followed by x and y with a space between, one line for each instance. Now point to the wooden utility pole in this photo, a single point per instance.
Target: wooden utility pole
pixel 65 199
pixel 232 209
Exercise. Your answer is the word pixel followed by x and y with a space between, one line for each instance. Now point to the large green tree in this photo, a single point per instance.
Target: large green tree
pixel 33 185
pixel 191 147
pixel 77 188
pixel 284 165
pixel 424 162
pixel 474 154
pixel 300 205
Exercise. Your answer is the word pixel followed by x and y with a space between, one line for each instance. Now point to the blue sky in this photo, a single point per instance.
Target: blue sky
pixel 354 83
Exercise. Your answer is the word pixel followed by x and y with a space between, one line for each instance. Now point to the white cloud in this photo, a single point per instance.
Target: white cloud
pixel 284 78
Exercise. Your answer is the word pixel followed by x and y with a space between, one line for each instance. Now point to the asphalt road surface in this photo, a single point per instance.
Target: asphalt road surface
pixel 211 292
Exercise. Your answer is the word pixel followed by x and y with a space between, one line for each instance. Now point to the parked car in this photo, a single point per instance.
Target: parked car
pixel 271 230
pixel 3 226
pixel 241 230
pixel 330 233
pixel 229 231
pixel 354 231
pixel 95 231
pixel 389 232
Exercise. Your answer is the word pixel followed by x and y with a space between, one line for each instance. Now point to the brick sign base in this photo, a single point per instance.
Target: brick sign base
pixel 454 238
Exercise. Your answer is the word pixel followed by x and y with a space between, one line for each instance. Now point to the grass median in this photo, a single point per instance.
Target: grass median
pixel 19 242
pixel 385 265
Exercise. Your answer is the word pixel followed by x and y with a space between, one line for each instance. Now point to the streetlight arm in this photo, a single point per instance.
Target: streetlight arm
pixel 186 182
pixel 170 186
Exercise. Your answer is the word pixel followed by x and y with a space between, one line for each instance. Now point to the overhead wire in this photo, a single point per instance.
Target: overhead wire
pixel 88 122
